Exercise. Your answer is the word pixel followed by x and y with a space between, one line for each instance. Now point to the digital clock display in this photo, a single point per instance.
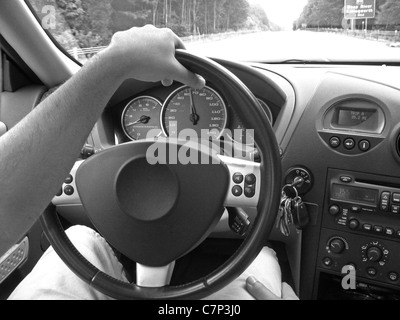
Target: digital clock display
pixel 348 193
pixel 354 117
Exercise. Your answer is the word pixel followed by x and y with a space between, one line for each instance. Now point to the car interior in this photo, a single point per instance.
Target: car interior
pixel 337 128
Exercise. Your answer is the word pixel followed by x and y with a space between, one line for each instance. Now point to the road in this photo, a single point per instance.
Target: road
pixel 287 45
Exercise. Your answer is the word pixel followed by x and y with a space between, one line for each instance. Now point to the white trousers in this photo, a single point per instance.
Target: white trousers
pixel 51 279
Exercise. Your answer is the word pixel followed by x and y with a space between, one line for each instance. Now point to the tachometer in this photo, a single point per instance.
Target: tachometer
pixel 202 110
pixel 140 116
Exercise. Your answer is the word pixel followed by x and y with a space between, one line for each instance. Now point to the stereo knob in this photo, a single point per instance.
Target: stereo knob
pixel 337 245
pixel 354 224
pixel 334 210
pixel 374 254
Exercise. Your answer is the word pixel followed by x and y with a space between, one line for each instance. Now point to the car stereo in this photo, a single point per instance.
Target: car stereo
pixel 361 227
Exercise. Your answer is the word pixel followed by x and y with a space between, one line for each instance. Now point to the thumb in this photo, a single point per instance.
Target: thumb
pixel 187 77
pixel 258 290
pixel 288 293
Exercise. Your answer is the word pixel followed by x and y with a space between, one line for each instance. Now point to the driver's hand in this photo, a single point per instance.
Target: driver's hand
pixel 148 54
pixel 261 292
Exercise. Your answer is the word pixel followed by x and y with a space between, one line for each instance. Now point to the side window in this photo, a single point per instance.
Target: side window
pixel 3 127
pixel 1 70
pixel 20 89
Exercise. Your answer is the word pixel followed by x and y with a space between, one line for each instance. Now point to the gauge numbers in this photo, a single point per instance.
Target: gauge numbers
pixel 201 110
pixel 140 116
pixel 240 132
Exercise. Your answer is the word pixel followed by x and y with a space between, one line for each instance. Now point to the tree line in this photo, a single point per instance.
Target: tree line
pixel 330 14
pixel 93 22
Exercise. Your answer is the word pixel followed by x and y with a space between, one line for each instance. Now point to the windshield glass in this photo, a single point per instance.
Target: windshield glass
pixel 249 30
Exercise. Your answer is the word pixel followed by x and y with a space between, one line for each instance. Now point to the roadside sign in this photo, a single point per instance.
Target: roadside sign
pixel 359 9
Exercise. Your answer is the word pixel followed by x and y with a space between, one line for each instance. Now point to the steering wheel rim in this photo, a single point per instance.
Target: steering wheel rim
pixel 253 116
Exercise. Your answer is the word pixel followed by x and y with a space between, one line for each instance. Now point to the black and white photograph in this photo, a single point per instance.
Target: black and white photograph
pixel 193 155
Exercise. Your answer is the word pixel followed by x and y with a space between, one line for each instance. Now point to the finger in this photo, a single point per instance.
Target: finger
pixel 179 43
pixel 167 82
pixel 258 290
pixel 288 293
pixel 187 77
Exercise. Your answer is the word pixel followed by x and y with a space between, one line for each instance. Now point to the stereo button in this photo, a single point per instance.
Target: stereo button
pixel 367 227
pixel 396 197
pixel 353 224
pixel 389 231
pixel 334 210
pixel 384 207
pixel 395 208
pixel 378 229
pixel 385 198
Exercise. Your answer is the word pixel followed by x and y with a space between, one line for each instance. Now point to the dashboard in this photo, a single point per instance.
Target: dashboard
pixel 338 127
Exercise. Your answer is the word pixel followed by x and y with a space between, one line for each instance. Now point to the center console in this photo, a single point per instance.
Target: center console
pixel 360 230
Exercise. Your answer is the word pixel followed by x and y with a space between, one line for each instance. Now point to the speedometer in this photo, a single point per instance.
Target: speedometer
pixel 140 116
pixel 202 110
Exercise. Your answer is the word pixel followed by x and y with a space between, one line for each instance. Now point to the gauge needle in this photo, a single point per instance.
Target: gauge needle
pixel 143 119
pixel 194 117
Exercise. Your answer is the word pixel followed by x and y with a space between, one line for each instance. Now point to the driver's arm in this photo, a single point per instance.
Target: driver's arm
pixel 38 153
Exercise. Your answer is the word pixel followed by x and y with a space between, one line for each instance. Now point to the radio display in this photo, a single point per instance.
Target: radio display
pixel 348 193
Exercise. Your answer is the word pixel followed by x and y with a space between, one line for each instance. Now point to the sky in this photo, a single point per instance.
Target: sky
pixel 282 12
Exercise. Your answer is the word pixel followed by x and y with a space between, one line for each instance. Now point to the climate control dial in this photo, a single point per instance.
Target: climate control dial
pixel 337 245
pixel 374 252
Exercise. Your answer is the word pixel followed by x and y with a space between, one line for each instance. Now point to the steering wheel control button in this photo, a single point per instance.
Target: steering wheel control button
pixel 364 145
pixel 249 192
pixel 238 178
pixel 69 179
pixel 250 179
pixel 334 142
pixel 69 190
pixel 349 144
pixel 59 193
pixel 237 191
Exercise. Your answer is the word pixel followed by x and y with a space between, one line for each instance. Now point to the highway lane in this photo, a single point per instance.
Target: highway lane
pixel 299 45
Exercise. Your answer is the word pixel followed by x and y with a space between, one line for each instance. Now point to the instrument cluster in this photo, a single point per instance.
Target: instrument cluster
pixel 204 111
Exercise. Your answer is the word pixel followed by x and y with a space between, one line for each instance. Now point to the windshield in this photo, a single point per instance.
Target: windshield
pixel 291 31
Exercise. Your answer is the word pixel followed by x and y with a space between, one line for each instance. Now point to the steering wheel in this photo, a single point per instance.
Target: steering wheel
pixel 156 213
